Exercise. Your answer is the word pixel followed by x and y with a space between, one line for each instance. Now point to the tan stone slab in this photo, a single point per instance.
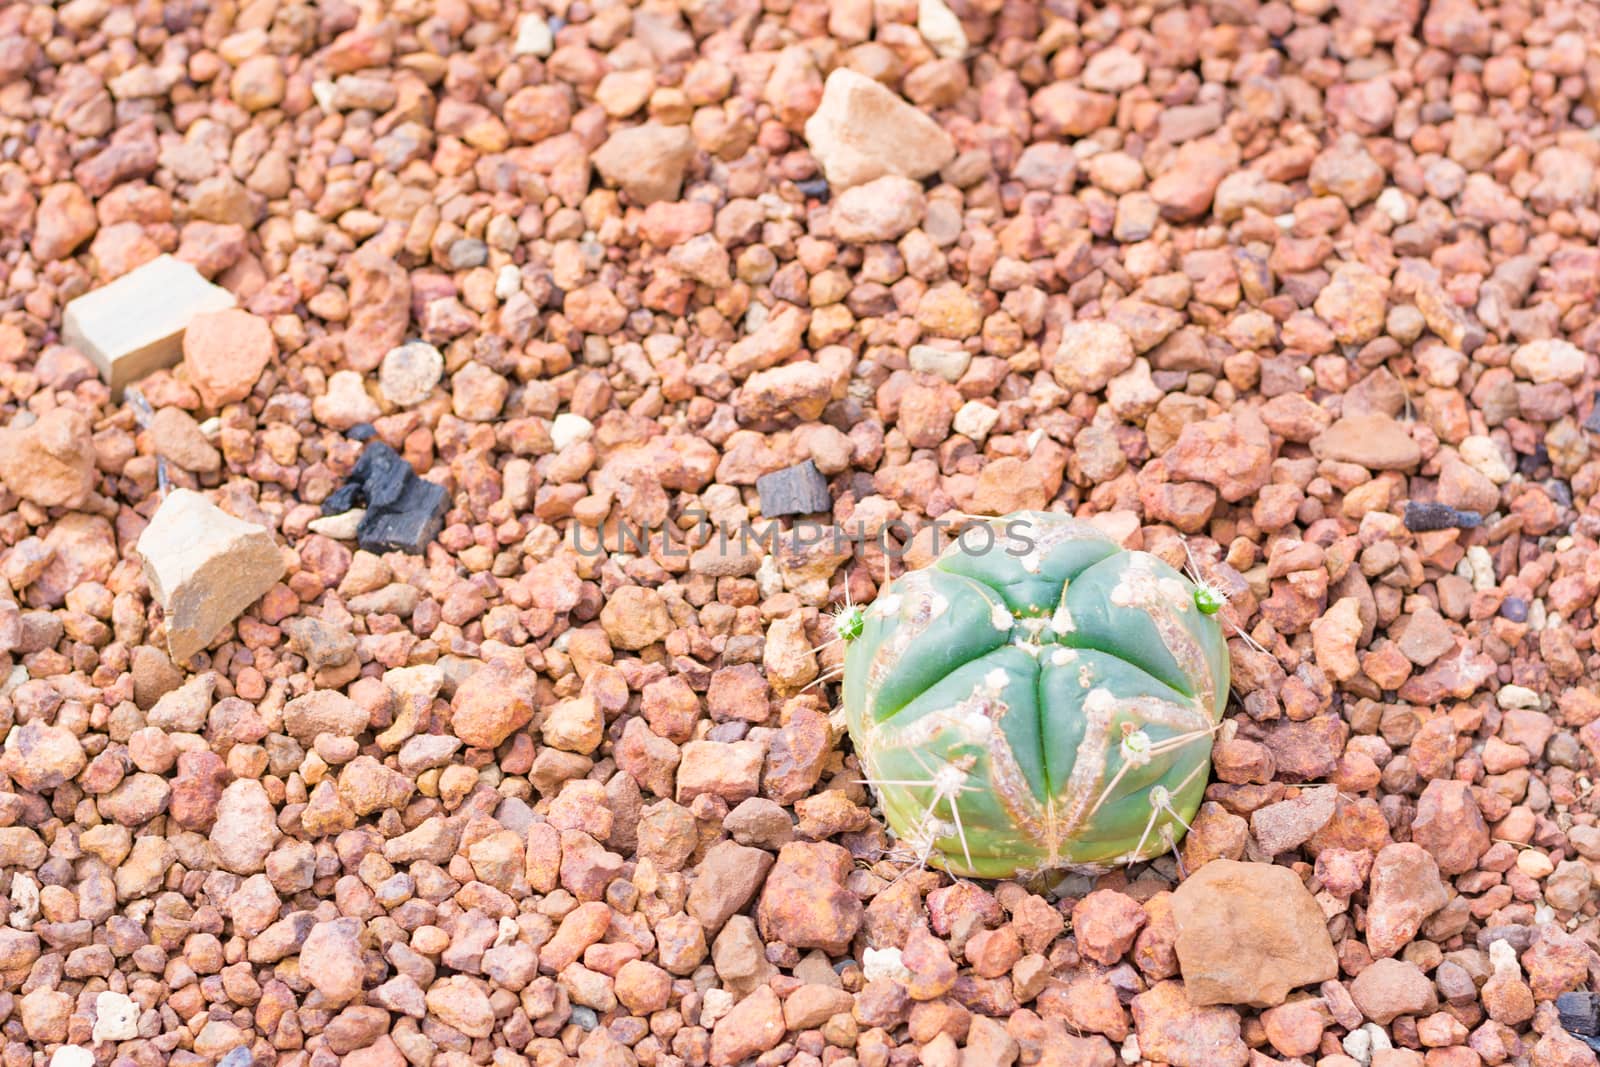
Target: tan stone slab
pixel 134 325
pixel 204 568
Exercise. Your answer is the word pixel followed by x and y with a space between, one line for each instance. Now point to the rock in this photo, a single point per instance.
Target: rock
pixel 1354 303
pixel 882 209
pixel 1231 452
pixel 1375 442
pixel 1449 824
pixel 246 828
pixel 323 711
pixel 798 490
pixel 380 308
pixel 493 703
pixel 1091 353
pixel 403 512
pixel 1549 360
pixel 1173 1029
pixel 409 373
pixel 1247 933
pixel 1334 637
pixel 204 567
pixel 1291 823
pixel 177 437
pixel 1387 988
pixel 224 354
pixel 51 461
pixel 1186 188
pixel 725 882
pixel 1422 517
pixel 862 131
pixel 1105 923
pixel 941 28
pixel 1405 890
pixel 135 325
pixel 65 220
pixel 805 903
pixel 331 959
pixel 647 162
pixel 753 1026
pixel 635 617
pixel 461 1004
pixel 41 757
pixel 116 1017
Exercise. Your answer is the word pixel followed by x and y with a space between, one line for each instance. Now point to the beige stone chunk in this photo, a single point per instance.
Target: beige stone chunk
pixel 205 567
pixel 135 325
pixel 863 131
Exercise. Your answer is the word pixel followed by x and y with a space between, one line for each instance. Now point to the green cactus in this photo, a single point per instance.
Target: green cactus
pixel 1037 700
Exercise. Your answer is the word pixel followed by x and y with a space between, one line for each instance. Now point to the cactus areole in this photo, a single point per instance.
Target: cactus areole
pixel 1040 699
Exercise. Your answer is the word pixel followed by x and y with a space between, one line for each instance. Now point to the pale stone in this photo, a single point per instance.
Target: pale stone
pixel 204 568
pixel 116 1017
pixel 533 37
pixel 135 324
pixel 340 527
pixel 863 131
pixel 975 419
pixel 409 373
pixel 72 1056
pixel 941 29
pixel 567 429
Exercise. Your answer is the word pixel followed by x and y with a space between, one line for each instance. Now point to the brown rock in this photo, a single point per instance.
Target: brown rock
pixel 1247 933
pixel 1449 824
pixel 753 1026
pixel 493 703
pixel 805 903
pixel 1405 890
pixel 51 461
pixel 1386 988
pixel 1105 923
pixel 1376 442
pixel 380 309
pixel 725 882
pixel 1231 452
pixel 1173 1029
pixel 647 162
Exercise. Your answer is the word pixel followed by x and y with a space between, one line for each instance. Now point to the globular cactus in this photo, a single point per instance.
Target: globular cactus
pixel 1036 700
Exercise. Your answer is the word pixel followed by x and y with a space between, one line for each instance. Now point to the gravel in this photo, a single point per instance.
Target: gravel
pixel 1310 285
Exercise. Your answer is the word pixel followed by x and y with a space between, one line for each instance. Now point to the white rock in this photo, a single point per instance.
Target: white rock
pixel 409 373
pixel 948 363
pixel 24 894
pixel 204 567
pixel 533 37
pixel 880 963
pixel 1516 696
pixel 1392 202
pixel 863 131
pixel 715 1003
pixel 975 419
pixel 1549 359
pixel 340 527
pixel 508 283
pixel 941 29
pixel 134 325
pixel 1483 455
pixel 568 429
pixel 72 1056
pixel 116 1017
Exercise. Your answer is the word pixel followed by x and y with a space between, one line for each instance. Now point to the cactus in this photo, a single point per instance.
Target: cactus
pixel 1037 699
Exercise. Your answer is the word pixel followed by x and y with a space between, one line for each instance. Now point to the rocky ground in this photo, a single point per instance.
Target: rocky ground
pixel 1263 274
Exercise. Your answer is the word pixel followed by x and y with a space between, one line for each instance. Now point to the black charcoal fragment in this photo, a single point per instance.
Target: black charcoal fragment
pixel 1424 517
pixel 1580 1015
pixel 797 490
pixel 404 512
pixel 815 188
pixel 1591 422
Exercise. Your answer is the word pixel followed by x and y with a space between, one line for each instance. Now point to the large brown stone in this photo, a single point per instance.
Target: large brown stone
pixel 1248 933
pixel 863 131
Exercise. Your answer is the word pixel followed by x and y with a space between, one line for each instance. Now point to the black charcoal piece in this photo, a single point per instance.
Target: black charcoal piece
pixel 1591 421
pixel 1423 517
pixel 404 512
pixel 816 188
pixel 362 431
pixel 1580 1014
pixel 797 490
